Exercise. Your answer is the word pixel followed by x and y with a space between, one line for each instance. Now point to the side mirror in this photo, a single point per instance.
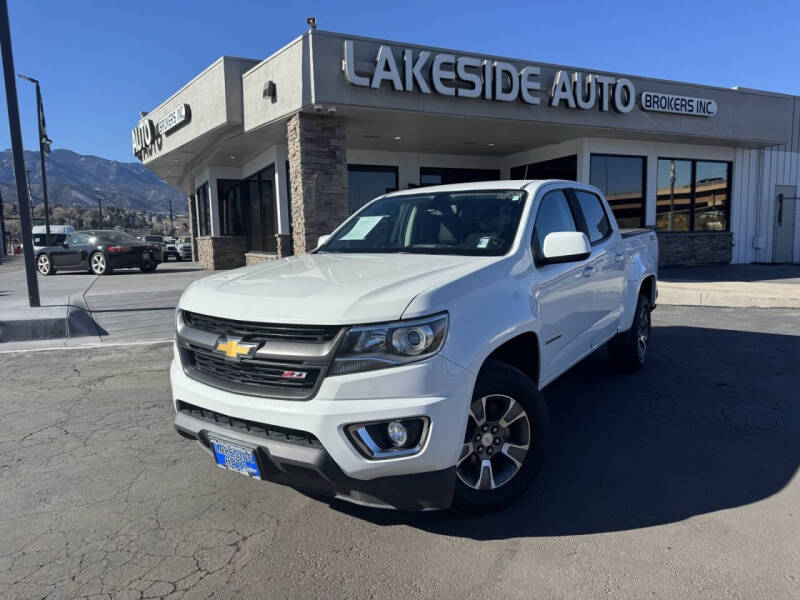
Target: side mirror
pixel 566 246
pixel 322 239
pixel 65 245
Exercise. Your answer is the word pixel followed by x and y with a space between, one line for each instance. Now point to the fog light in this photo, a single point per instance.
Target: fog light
pixel 389 439
pixel 397 433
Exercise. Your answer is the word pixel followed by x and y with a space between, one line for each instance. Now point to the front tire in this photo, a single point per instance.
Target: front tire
pixel 44 265
pixel 505 441
pixel 98 263
pixel 628 350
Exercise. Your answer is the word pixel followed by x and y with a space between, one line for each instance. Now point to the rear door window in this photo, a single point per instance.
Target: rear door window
pixel 598 226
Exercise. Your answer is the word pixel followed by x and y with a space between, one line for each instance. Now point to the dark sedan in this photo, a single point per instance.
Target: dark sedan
pixel 99 252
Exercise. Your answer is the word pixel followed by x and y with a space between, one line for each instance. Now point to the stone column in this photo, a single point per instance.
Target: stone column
pixel 318 175
pixel 283 243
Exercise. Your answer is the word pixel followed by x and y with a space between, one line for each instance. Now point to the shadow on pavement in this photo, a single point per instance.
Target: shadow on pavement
pixel 711 423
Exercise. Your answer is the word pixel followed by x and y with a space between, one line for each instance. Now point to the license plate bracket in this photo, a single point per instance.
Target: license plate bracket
pixel 234 456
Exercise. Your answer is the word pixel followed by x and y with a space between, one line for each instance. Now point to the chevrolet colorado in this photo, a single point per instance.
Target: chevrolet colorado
pixel 401 363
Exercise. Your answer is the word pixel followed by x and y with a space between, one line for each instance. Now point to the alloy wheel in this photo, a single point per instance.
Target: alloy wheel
pixel 496 443
pixel 98 263
pixel 643 333
pixel 44 264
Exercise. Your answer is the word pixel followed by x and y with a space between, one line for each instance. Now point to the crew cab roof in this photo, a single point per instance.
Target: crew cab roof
pixel 504 184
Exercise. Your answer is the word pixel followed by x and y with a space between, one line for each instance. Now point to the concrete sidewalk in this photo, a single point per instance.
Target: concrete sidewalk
pixel 734 286
pixel 83 309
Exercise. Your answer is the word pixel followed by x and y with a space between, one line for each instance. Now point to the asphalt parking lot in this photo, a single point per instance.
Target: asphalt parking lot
pixel 678 482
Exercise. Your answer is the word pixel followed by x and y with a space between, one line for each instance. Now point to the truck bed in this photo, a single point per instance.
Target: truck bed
pixel 626 233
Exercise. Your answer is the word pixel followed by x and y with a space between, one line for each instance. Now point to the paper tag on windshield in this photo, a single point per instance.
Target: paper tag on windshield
pixel 362 228
pixel 483 242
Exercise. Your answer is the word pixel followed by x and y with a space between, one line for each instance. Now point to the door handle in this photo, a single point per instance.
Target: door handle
pixel 587 272
pixel 619 258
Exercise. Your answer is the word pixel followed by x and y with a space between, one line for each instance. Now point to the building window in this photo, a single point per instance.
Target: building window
pixel 565 167
pixel 623 180
pixel 365 182
pixel 203 223
pixel 441 176
pixel 693 195
pixel 247 208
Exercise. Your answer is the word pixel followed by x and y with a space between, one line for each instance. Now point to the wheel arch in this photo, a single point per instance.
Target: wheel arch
pixel 648 287
pixel 521 352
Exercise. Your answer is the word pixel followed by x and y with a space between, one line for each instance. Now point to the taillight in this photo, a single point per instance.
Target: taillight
pixel 118 248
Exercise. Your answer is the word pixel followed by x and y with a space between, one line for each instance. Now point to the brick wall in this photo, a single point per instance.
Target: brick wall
pixel 221 252
pixel 695 248
pixel 318 175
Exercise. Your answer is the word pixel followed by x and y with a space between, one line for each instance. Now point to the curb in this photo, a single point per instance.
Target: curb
pixel 722 299
pixel 48 323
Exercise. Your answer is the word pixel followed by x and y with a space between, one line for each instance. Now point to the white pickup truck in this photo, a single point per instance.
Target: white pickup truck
pixel 401 363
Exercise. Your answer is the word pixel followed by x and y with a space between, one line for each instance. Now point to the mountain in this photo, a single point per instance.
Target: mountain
pixel 74 178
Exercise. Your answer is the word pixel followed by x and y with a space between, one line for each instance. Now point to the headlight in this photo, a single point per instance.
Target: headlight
pixel 368 347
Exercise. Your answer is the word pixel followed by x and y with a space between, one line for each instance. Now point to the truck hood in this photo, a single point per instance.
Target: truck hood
pixel 326 289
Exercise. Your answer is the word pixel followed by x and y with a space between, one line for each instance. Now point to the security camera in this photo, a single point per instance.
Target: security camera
pixel 331 110
pixel 312 22
pixel 318 108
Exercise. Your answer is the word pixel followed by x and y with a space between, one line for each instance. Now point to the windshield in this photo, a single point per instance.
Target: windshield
pixel 56 239
pixel 479 223
pixel 153 238
pixel 117 236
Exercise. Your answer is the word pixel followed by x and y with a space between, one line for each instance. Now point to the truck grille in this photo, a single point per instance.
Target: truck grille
pixel 264 377
pixel 270 432
pixel 261 332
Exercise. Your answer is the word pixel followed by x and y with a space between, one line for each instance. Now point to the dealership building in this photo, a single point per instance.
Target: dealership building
pixel 273 153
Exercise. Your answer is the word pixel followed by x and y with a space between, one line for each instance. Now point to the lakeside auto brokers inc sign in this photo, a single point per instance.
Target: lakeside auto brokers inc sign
pixel 145 137
pixel 473 77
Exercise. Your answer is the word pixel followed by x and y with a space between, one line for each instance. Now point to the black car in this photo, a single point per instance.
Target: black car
pixel 99 252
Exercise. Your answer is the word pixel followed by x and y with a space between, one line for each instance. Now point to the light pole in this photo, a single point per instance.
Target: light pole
pixel 44 148
pixel 19 159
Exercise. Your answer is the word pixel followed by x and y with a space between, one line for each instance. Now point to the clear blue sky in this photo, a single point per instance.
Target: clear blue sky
pixel 101 62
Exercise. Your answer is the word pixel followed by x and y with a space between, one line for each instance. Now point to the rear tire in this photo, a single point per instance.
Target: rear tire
pixel 98 263
pixel 505 441
pixel 44 265
pixel 628 350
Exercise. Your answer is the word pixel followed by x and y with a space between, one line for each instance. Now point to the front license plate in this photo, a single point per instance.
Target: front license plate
pixel 146 255
pixel 235 457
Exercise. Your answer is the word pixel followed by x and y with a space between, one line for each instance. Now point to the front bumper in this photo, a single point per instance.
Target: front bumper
pixel 309 467
pixel 436 388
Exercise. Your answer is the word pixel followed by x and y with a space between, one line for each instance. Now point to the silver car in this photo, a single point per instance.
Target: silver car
pixel 184 250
